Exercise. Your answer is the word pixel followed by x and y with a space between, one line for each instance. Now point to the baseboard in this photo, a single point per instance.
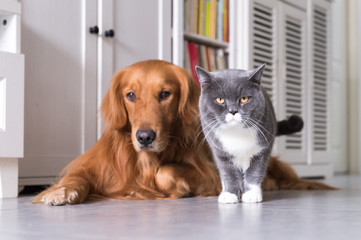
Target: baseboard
pixel 32 181
pixel 319 170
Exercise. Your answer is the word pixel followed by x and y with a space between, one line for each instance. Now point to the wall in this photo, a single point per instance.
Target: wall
pixel 339 87
pixel 353 79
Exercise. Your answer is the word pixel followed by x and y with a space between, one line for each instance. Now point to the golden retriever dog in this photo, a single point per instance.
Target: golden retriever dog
pixel 152 146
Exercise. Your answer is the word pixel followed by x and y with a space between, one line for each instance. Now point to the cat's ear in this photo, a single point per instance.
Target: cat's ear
pixel 256 75
pixel 203 76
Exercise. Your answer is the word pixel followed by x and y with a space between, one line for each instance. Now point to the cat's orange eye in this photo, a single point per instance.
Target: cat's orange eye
pixel 244 99
pixel 220 100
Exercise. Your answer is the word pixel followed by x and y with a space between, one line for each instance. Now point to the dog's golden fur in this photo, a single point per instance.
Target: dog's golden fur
pixel 177 164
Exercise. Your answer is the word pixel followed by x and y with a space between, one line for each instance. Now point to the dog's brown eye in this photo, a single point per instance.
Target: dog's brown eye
pixel 131 96
pixel 164 95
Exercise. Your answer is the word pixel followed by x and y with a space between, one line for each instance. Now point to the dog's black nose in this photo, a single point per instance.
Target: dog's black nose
pixel 145 137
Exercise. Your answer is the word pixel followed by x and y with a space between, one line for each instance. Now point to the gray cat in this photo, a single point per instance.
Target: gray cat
pixel 239 124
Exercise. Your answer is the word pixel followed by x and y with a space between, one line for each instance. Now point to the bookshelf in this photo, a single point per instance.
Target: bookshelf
pixel 203 34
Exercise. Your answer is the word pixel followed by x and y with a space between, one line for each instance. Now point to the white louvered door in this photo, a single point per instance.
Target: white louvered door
pixel 292 38
pixel 319 42
pixel 263 47
pixel 263 43
pixel 292 79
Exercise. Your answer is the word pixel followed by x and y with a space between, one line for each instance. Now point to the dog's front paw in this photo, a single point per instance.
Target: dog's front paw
pixel 60 196
pixel 227 197
pixel 169 181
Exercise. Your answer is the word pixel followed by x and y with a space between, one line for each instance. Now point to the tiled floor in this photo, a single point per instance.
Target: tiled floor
pixel 283 215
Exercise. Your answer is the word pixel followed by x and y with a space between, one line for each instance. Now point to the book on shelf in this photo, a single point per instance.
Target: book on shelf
pixel 208 18
pixel 219 20
pixel 209 58
pixel 201 17
pixel 225 20
pixel 191 15
pixel 193 59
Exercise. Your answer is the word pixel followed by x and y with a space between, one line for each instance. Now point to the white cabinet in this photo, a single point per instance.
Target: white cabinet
pixel 11 105
pixel 68 71
pixel 142 31
pixel 319 74
pixel 293 38
pixel 60 87
pixel 291 78
pixel 11 97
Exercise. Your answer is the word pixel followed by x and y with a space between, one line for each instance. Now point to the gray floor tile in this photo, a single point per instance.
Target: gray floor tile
pixel 283 215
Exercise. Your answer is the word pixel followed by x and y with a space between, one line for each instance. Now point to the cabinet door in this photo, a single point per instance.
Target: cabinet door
pixel 320 84
pixel 11 105
pixel 142 31
pixel 60 85
pixel 292 80
pixel 263 47
pixel 263 43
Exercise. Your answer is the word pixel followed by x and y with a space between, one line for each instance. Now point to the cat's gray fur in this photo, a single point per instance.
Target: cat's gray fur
pixel 250 135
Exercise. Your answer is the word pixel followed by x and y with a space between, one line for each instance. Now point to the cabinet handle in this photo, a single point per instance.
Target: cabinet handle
pixel 109 33
pixel 94 30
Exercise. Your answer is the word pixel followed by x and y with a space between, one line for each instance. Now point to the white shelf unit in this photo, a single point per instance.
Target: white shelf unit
pixel 179 35
pixel 293 38
pixel 11 97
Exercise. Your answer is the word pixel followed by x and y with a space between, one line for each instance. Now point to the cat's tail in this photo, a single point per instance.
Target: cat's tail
pixel 280 175
pixel 289 126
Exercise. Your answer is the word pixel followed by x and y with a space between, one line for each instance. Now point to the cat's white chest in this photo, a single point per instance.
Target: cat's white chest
pixel 241 143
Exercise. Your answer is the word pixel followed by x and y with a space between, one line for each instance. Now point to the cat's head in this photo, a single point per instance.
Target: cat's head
pixel 232 96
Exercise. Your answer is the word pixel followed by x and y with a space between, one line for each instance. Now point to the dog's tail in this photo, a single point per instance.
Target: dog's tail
pixel 289 126
pixel 280 176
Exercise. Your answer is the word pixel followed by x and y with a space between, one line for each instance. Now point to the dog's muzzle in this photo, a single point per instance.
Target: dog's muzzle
pixel 145 137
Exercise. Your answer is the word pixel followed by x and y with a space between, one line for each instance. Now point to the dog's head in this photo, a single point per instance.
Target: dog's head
pixel 156 99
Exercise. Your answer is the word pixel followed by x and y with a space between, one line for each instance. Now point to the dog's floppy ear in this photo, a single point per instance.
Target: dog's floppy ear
pixel 113 108
pixel 189 96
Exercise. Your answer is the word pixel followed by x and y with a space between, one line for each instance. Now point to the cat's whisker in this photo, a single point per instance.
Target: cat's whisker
pixel 260 125
pixel 214 120
pixel 262 114
pixel 255 127
pixel 212 126
pixel 216 125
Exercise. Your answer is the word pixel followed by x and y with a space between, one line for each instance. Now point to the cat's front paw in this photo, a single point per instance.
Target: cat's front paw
pixel 227 197
pixel 252 197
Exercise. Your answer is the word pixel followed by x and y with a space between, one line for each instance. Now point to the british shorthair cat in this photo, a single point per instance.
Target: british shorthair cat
pixel 239 124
